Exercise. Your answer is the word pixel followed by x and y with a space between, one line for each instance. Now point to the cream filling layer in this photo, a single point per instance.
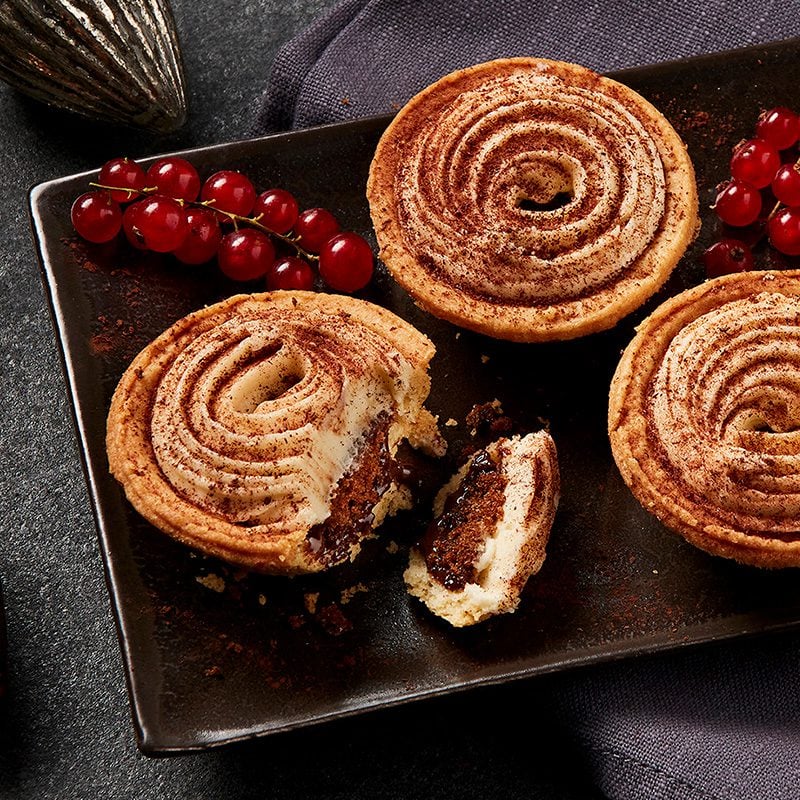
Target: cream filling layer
pixel 498 564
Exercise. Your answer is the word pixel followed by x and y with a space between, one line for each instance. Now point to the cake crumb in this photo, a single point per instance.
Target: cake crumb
pixel 310 600
pixel 348 594
pixel 392 547
pixel 484 359
pixel 482 416
pixel 262 600
pixel 451 423
pixel 213 672
pixel 212 581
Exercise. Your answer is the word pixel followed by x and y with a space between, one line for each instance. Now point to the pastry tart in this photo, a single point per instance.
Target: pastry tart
pixel 263 429
pixel 704 416
pixel 531 200
pixel 492 523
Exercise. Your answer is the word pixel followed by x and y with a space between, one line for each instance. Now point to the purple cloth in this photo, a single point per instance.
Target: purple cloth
pixel 712 722
pixel 366 58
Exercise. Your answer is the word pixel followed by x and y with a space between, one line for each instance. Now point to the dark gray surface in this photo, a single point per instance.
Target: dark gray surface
pixel 67 731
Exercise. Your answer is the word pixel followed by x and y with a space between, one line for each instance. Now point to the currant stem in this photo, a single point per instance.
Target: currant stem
pixel 144 190
pixel 236 219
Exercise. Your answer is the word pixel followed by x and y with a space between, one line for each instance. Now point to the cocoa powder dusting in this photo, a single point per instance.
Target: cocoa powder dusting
pixel 333 620
pixel 101 343
pixel 78 252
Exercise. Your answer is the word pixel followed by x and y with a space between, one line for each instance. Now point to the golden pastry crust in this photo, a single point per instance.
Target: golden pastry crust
pixel 237 429
pixel 704 416
pixel 455 175
pixel 491 528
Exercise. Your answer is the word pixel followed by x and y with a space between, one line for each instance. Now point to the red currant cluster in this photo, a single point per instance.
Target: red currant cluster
pixel 765 174
pixel 167 209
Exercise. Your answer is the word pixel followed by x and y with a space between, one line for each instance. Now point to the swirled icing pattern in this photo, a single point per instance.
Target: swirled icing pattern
pixel 233 429
pixel 705 416
pixel 530 199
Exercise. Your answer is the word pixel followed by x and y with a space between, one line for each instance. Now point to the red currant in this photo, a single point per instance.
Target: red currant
pixel 229 191
pixel 130 224
pixel 755 162
pixel 738 203
pixel 174 177
pixel 726 256
pixel 314 227
pixel 96 217
pixel 784 231
pixel 786 184
pixel 779 126
pixel 161 222
pixel 346 262
pixel 278 210
pixel 290 273
pixel 246 254
pixel 202 241
pixel 124 173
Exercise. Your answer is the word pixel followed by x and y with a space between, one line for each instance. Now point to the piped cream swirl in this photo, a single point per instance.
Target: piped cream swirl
pixel 705 416
pixel 462 188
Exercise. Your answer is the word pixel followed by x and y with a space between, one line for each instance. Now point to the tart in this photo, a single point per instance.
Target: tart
pixel 263 429
pixel 704 416
pixel 488 536
pixel 531 200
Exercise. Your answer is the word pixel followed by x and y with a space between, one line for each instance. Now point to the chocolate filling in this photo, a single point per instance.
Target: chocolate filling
pixel 453 542
pixel 355 496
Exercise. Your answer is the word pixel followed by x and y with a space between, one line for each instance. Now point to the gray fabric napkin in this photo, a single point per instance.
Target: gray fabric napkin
pixel 365 58
pixel 712 722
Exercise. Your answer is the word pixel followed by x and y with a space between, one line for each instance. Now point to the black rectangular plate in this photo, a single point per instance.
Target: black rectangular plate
pixel 270 654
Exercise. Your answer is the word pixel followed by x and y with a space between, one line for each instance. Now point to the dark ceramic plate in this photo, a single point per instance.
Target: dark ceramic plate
pixel 268 654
